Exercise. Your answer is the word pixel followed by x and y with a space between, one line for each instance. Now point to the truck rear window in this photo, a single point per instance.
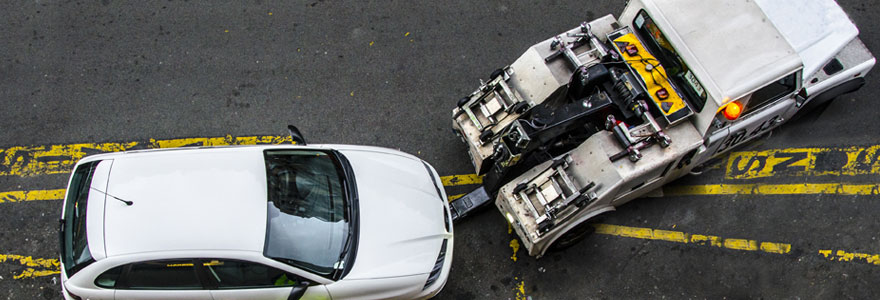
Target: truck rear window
pixel 75 253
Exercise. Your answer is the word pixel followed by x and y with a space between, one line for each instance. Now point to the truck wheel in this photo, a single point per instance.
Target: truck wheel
pixel 572 237
pixel 463 101
pixel 821 101
pixel 487 135
pixel 496 73
pixel 519 108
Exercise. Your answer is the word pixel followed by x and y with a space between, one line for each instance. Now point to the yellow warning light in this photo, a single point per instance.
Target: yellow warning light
pixel 732 110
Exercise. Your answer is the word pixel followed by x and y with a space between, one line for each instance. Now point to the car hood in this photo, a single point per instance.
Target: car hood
pixel 401 226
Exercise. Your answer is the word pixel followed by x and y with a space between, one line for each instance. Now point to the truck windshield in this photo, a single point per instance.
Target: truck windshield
pixel 75 253
pixel 679 73
pixel 308 211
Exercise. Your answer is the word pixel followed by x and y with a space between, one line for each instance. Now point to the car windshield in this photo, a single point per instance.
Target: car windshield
pixel 679 73
pixel 74 245
pixel 308 215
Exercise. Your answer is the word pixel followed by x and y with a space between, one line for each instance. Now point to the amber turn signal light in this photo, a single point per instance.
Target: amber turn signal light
pixel 732 110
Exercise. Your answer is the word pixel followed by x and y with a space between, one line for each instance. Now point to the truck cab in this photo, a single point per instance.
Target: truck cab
pixel 601 114
pixel 760 55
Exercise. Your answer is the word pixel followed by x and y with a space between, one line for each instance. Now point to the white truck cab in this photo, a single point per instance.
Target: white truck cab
pixel 668 85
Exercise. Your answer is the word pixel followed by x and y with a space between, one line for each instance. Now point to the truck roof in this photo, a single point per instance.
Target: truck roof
pixel 731 46
pixel 817 29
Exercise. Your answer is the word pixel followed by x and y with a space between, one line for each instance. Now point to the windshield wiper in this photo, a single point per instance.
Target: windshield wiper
pixel 340 263
pixel 349 184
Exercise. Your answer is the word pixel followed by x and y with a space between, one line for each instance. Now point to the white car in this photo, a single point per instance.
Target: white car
pixel 255 222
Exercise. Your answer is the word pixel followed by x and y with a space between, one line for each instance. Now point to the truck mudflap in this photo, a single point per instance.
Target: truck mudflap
pixel 470 203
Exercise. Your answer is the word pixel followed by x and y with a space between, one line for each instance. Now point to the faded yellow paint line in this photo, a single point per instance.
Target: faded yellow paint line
pixel 775 247
pixel 36 195
pixel 58 159
pixel 48 266
pixel 773 189
pixel 453 180
pixel 804 162
pixel 688 238
pixel 841 255
pixel 514 245
pixel 520 289
pixel 687 190
pixel 30 273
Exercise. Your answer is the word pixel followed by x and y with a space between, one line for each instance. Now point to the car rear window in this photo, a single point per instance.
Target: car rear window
pixel 74 244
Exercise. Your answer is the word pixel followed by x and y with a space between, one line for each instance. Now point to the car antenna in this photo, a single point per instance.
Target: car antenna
pixel 128 203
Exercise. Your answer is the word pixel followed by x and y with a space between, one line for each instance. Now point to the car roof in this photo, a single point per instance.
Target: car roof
pixel 212 199
pixel 718 41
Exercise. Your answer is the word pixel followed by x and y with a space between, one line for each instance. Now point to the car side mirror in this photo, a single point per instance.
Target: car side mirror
pixel 295 135
pixel 298 290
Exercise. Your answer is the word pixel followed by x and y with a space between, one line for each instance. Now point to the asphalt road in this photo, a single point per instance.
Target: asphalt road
pixel 388 73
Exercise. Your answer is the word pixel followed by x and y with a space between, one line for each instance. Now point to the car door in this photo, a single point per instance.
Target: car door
pixel 238 279
pixel 764 110
pixel 161 279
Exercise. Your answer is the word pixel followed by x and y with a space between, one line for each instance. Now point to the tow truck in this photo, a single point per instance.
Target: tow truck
pixel 614 108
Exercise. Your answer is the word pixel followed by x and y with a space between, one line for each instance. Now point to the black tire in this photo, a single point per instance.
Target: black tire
pixel 464 100
pixel 823 100
pixel 519 108
pixel 496 73
pixel 486 135
pixel 572 237
pixel 519 187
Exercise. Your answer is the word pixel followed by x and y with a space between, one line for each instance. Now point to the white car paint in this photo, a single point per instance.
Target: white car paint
pixel 211 203
pixel 816 29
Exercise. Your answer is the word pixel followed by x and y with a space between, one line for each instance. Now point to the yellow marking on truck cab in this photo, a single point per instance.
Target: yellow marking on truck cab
pixel 47 266
pixel 850 161
pixel 36 195
pixel 654 83
pixel 773 189
pixel 59 159
pixel 688 238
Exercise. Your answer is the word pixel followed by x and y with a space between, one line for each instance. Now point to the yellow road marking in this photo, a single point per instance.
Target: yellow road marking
pixel 841 255
pixel 453 180
pixel 51 266
pixel 514 245
pixel 763 189
pixel 773 189
pixel 687 238
pixel 37 195
pixel 684 190
pixel 804 162
pixel 57 159
pixel 30 273
pixel 453 197
pixel 521 290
